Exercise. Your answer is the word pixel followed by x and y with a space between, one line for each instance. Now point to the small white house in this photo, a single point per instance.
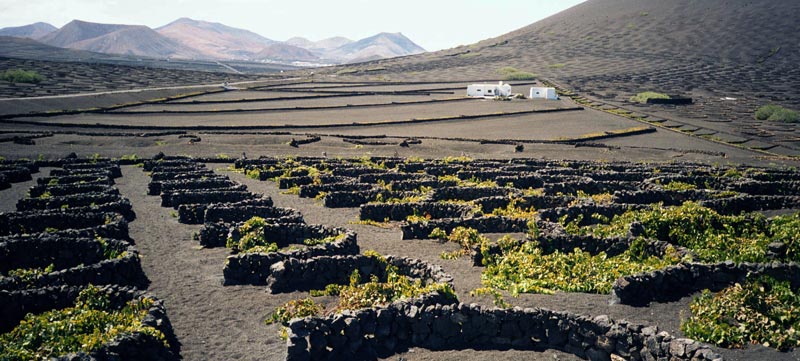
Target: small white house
pixel 543 93
pixel 489 90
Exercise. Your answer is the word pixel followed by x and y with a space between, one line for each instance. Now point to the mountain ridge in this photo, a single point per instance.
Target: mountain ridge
pixel 198 39
pixel 31 31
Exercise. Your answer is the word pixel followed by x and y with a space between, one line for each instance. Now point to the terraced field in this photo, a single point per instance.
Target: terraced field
pixel 212 233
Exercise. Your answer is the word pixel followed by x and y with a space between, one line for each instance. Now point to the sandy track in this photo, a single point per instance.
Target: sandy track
pixel 211 322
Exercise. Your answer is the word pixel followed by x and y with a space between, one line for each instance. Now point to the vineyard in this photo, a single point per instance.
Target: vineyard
pixel 640 234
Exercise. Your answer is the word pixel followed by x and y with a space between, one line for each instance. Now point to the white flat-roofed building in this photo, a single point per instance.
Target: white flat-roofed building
pixel 489 90
pixel 543 93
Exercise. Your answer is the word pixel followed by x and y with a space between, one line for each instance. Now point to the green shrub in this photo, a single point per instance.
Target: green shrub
pixel 510 73
pixel 514 210
pixel 526 269
pixel 82 328
pixel 21 76
pixel 465 237
pixel 318 241
pixel 712 236
pixel 679 186
pixel 762 311
pixel 252 238
pixel 254 173
pixel 359 295
pixel 777 113
pixel 294 309
pixel 643 97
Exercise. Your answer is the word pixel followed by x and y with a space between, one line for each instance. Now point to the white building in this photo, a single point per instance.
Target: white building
pixel 489 90
pixel 543 93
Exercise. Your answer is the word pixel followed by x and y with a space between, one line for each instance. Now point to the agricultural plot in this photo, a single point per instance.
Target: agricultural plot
pixel 641 234
pixel 71 281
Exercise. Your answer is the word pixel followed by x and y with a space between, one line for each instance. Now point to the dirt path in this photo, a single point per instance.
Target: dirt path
pixel 211 322
pixel 10 196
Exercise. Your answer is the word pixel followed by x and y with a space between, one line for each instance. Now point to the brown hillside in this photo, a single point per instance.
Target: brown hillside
pixel 135 40
pixel 214 40
pixel 285 52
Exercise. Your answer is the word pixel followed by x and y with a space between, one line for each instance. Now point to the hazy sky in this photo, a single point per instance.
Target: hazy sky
pixel 433 24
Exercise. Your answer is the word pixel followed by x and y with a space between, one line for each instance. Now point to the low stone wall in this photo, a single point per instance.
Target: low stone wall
pixel 243 211
pixel 14 174
pixel 76 224
pixel 255 268
pixel 206 196
pixel 357 198
pixel 216 234
pixel 736 205
pixel 590 187
pixel 668 198
pixel 587 211
pixel 315 273
pixel 43 250
pixel 392 177
pixel 442 169
pixel 773 175
pixel 485 174
pixel 158 164
pixel 81 172
pixel 75 179
pixel 70 189
pixel 675 282
pixel 489 204
pixel 289 182
pixel 349 199
pixel 83 168
pixel 621 176
pixel 482 225
pixel 437 324
pixel 72 200
pixel 193 174
pixel 256 163
pixel 400 211
pixel 701 181
pixel 155 188
pixel 468 193
pixel 14 305
pixel 286 234
pixel 97 202
pixel 410 185
pixel 125 270
pixel 784 188
pixel 521 181
pixel 33 167
pixel 355 172
pixel 313 190
pixel 196 213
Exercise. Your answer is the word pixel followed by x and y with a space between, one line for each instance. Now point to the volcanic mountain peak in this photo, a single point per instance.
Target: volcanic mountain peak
pixel 135 40
pixel 215 40
pixel 382 45
pixel 285 52
pixel 32 31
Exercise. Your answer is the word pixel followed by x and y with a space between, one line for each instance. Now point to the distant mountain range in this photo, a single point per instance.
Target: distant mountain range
pixel 32 31
pixel 194 39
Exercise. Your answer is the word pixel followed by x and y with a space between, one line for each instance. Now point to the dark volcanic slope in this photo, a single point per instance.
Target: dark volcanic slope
pixel 84 77
pixel 731 56
pixel 602 36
